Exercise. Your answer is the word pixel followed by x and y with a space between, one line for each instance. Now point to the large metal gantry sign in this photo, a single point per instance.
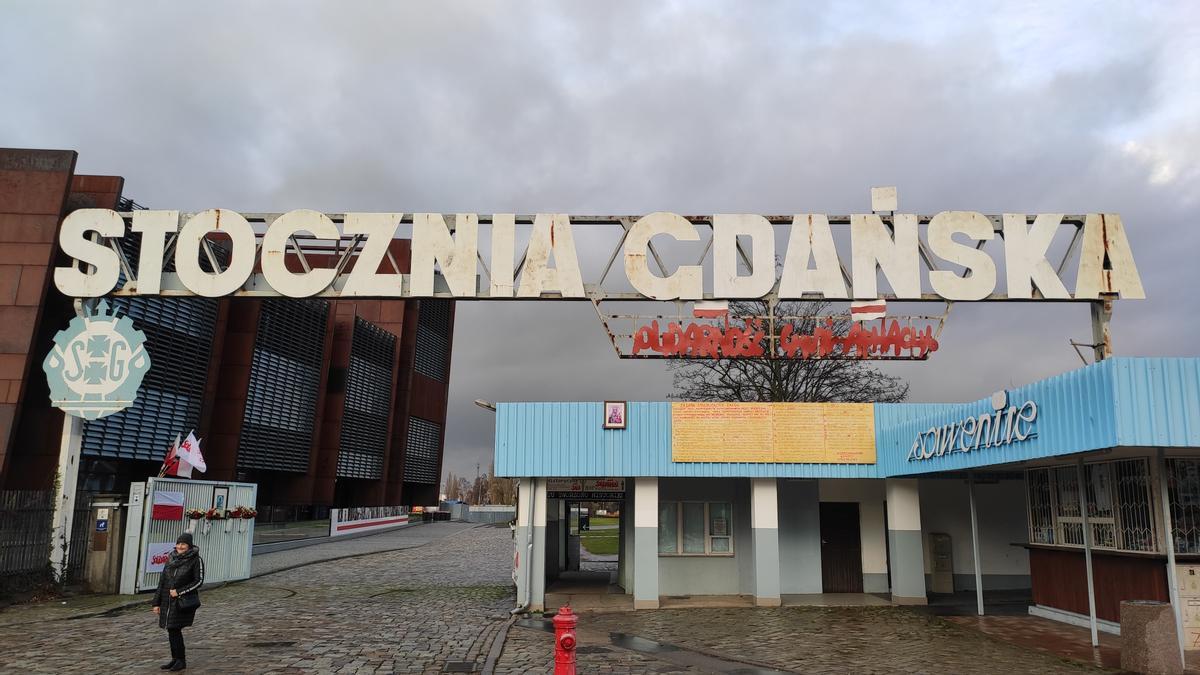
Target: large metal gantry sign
pixel 942 258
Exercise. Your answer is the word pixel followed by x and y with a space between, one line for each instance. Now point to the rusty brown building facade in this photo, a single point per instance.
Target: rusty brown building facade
pixel 321 402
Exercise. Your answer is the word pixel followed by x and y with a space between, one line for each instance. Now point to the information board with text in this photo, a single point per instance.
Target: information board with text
pixel 793 433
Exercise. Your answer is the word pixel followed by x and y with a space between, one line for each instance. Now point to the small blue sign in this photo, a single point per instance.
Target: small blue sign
pixel 102 526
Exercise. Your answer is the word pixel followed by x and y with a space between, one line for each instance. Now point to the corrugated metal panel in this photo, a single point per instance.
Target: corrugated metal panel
pixel 567 439
pixel 1075 414
pixel 226 554
pixel 1157 401
pixel 1121 401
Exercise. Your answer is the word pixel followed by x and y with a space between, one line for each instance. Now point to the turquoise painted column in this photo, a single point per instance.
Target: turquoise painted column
pixel 645 543
pixel 906 553
pixel 764 523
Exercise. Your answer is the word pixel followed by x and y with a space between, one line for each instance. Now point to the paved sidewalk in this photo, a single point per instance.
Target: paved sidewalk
pixel 263 564
pixel 405 537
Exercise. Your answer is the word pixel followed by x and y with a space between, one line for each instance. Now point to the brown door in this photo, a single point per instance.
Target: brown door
pixel 841 548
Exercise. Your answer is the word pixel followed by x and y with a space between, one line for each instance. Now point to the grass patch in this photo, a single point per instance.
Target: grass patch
pixel 603 520
pixel 603 542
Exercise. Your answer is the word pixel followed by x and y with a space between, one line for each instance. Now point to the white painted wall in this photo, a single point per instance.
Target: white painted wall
pixel 945 507
pixel 869 493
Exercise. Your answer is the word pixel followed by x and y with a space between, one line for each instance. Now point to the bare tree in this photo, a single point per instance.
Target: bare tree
pixel 451 486
pixel 500 490
pixel 464 490
pixel 831 379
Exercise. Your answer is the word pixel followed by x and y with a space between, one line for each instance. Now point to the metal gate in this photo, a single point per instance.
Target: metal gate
pixel 81 531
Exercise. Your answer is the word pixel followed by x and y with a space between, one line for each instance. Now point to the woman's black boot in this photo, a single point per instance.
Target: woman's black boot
pixel 168 665
pixel 179 665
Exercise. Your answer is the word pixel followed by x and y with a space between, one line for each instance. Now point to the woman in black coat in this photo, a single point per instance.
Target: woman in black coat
pixel 178 596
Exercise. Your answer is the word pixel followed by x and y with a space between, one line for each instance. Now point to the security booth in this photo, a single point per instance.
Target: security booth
pixel 782 503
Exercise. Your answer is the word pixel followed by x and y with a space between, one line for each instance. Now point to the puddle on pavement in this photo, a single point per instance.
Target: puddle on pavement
pixel 638 644
pixel 536 624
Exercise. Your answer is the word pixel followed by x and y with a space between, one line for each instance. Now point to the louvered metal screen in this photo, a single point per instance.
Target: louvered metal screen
pixel 421 455
pixel 179 336
pixel 281 402
pixel 368 402
pixel 433 338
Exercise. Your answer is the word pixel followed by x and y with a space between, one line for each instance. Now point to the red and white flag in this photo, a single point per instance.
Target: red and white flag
pixel 167 506
pixel 710 309
pixel 189 452
pixel 173 464
pixel 868 310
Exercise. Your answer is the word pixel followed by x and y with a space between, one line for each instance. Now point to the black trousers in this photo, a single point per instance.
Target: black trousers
pixel 176 637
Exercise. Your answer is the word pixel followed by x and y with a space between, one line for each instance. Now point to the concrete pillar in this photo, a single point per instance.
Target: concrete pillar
pixel 764 523
pixel 800 537
pixel 645 543
pixel 906 554
pixel 531 523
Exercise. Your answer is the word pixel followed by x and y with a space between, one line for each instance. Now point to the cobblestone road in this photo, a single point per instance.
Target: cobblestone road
pixel 412 611
pixel 439 606
pixel 818 640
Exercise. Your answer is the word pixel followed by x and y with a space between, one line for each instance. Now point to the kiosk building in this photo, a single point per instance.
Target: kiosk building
pixel 775 502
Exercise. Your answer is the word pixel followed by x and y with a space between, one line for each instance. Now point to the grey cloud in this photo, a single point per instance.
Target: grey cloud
pixel 629 108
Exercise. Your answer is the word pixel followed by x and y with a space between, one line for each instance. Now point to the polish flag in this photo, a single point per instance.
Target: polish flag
pixel 710 309
pixel 189 452
pixel 868 310
pixel 167 506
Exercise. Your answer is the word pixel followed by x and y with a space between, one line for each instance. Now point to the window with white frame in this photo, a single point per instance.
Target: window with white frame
pixel 1118 498
pixel 695 528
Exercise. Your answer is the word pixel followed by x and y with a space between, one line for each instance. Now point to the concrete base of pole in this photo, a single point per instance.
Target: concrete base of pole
pixel 1148 642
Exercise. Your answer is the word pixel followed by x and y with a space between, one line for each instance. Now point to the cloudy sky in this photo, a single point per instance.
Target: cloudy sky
pixel 633 107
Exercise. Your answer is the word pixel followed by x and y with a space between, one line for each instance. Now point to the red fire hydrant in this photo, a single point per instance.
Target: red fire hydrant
pixel 564 641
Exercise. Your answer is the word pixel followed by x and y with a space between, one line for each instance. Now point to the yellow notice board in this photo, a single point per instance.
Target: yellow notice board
pixel 818 433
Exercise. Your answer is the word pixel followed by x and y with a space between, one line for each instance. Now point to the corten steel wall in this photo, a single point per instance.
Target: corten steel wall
pixel 31 208
pixel 34 187
pixel 37 188
pixel 413 395
pixel 424 398
pixel 223 445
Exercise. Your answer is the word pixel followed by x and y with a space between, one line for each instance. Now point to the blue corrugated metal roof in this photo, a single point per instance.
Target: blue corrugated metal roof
pixel 1074 414
pixel 1120 401
pixel 1157 401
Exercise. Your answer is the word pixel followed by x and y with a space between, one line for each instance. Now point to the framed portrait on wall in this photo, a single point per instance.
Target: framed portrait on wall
pixel 220 500
pixel 614 414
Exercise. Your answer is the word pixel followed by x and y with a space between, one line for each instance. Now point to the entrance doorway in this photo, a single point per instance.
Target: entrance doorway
pixel 841 548
pixel 598 527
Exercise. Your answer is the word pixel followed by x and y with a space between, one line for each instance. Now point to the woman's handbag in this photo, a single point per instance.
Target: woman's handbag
pixel 189 601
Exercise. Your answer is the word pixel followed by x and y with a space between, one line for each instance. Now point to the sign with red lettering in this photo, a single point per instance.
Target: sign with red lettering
pixel 157 555
pixel 891 339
